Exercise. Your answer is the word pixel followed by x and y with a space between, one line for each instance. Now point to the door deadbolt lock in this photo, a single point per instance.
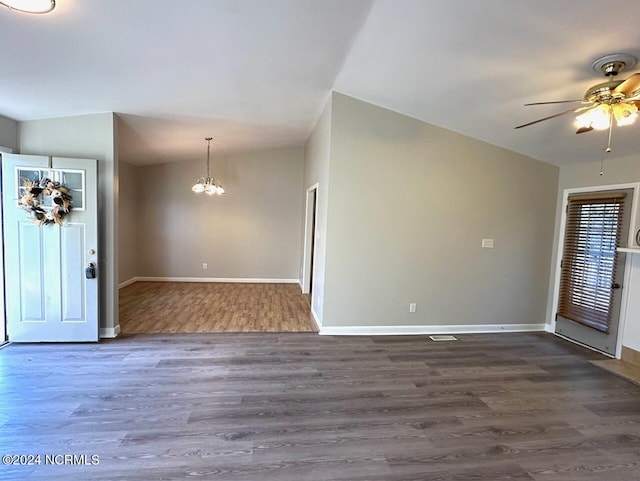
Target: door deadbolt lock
pixel 90 271
pixel 91 252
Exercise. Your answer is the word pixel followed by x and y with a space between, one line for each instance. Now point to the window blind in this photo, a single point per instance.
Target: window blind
pixel 593 229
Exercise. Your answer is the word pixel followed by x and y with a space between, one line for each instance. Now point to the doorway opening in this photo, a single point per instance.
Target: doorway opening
pixel 199 305
pixel 310 227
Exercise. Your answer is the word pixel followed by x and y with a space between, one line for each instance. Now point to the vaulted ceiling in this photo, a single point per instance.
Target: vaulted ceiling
pixel 255 74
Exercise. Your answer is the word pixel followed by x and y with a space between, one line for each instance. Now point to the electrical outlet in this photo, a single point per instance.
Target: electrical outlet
pixel 412 307
pixel 205 266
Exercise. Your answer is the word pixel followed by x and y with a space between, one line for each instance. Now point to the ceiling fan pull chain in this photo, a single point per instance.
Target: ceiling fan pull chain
pixel 608 151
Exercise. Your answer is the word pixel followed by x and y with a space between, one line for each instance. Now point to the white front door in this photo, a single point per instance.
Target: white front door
pixel 49 297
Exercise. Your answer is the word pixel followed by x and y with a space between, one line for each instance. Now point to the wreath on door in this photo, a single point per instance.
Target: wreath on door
pixel 60 196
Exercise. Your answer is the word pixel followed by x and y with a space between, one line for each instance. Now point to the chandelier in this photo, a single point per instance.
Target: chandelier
pixel 208 184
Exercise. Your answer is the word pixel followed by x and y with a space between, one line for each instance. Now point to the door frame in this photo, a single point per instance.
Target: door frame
pixel 308 258
pixel 551 327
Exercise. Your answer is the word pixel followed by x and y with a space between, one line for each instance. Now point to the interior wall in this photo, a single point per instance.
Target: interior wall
pixel 616 171
pixel 128 219
pixel 9 134
pixel 316 171
pixel 252 232
pixel 93 137
pixel 409 204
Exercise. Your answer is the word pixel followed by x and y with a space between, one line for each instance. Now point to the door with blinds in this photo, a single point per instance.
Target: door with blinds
pixel 592 269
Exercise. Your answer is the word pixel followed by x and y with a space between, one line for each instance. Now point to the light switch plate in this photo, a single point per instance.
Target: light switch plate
pixel 487 243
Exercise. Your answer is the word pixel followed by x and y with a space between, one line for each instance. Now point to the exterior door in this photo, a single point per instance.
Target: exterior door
pixel 49 297
pixel 592 269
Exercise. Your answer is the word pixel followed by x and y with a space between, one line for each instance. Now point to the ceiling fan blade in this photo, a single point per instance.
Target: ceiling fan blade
pixel 582 130
pixel 546 118
pixel 554 102
pixel 629 86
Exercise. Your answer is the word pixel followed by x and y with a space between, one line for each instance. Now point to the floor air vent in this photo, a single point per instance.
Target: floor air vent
pixel 443 338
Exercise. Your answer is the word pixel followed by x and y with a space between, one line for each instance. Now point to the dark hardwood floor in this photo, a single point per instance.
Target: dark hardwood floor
pixel 302 407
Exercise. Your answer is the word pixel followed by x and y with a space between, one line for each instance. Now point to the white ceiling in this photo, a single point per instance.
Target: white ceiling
pixel 255 73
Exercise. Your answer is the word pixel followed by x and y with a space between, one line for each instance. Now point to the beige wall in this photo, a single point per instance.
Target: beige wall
pixel 316 171
pixel 93 137
pixel 128 219
pixel 616 171
pixel 9 134
pixel 408 206
pixel 253 231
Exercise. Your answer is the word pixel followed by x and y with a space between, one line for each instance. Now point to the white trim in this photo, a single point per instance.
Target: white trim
pixel 624 304
pixel 250 280
pixel 408 330
pixel 314 318
pixel 551 323
pixel 629 250
pixel 3 314
pixel 109 332
pixel 128 282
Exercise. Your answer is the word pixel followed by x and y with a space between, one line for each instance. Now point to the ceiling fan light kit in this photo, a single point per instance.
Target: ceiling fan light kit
pixel 30 6
pixel 606 101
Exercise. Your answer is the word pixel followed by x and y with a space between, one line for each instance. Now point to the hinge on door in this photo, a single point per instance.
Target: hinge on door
pixel 561 263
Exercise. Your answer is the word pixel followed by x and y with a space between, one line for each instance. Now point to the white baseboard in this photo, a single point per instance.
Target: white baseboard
pixel 109 332
pixel 128 282
pixel 247 280
pixel 408 330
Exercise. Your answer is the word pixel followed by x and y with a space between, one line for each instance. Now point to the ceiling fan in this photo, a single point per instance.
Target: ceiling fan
pixel 605 101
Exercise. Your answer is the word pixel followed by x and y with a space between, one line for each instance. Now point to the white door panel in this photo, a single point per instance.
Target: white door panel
pixel 72 250
pixel 32 292
pixel 48 297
